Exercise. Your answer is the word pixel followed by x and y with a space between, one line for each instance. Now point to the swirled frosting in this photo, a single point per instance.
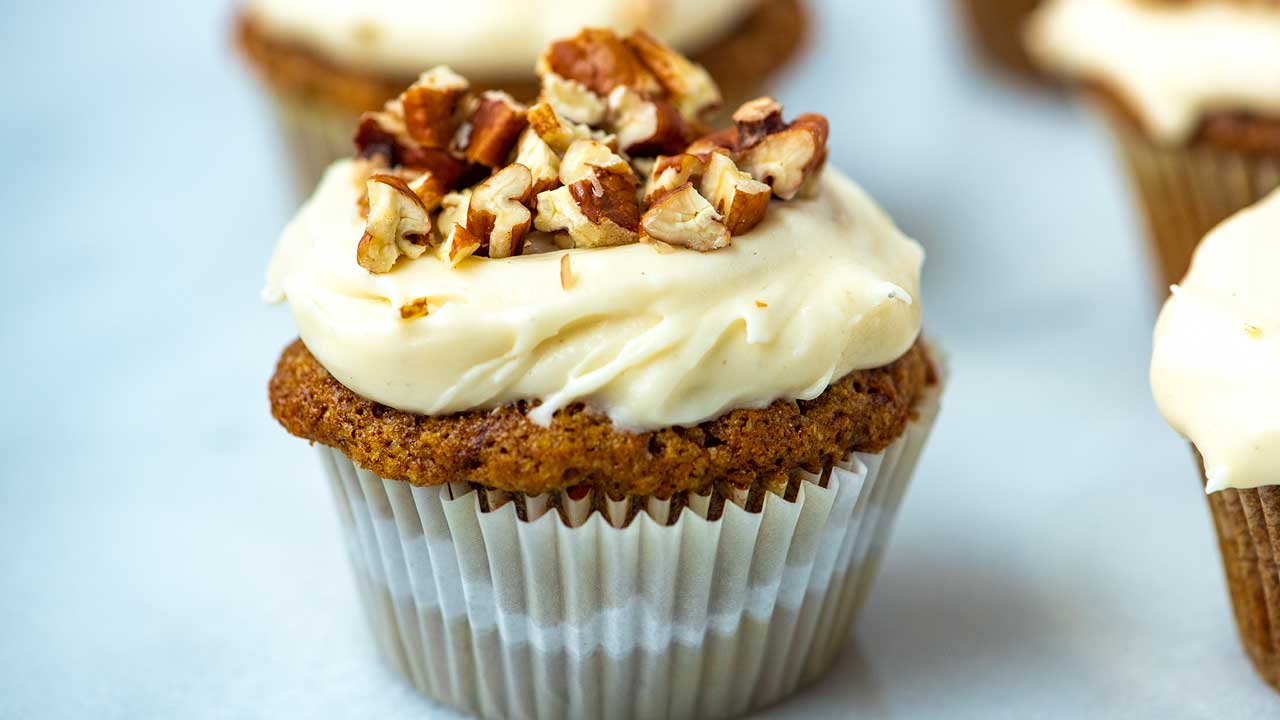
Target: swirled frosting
pixel 481 38
pixel 822 287
pixel 1216 365
pixel 1170 62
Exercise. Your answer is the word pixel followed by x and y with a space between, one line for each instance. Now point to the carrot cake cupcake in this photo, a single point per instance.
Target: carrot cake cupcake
pixel 326 62
pixel 618 413
pixel 1216 377
pixel 1192 91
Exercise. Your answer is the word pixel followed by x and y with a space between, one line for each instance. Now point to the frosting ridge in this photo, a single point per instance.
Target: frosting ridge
pixel 1215 369
pixel 822 287
pixel 1171 62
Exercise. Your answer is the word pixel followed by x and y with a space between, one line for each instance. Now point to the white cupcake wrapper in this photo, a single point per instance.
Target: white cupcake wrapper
pixel 315 133
pixel 572 614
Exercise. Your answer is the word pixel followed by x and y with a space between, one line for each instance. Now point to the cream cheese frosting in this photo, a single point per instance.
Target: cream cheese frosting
pixel 822 287
pixel 1170 62
pixel 481 38
pixel 1215 370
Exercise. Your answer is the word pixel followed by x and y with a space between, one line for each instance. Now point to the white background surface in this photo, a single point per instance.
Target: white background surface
pixel 167 551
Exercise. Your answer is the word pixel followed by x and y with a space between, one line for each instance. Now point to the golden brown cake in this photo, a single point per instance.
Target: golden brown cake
pixel 617 407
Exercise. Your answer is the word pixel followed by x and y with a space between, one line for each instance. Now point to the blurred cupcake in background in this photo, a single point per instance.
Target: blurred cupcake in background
pixel 617 415
pixel 995 30
pixel 1191 89
pixel 326 61
pixel 1215 372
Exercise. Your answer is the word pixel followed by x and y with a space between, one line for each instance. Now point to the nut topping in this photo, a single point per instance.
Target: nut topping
pixel 685 218
pixel 647 126
pixel 596 212
pixel 399 224
pixel 611 111
pixel 600 61
pixel 734 194
pixel 574 101
pixel 496 216
pixel 787 159
pixel 757 119
pixel 495 126
pixel 688 83
pixel 428 106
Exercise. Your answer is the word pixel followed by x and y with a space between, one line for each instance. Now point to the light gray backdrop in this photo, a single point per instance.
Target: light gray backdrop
pixel 167 551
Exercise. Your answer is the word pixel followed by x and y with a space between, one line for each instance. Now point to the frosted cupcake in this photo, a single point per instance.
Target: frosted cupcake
pixel 1192 92
pixel 995 28
pixel 326 62
pixel 618 416
pixel 1216 376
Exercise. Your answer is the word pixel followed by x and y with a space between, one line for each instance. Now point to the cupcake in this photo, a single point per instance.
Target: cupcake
pixel 618 415
pixel 1189 89
pixel 995 29
pixel 1214 373
pixel 326 62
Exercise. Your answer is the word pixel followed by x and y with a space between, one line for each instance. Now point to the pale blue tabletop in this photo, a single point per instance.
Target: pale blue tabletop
pixel 167 551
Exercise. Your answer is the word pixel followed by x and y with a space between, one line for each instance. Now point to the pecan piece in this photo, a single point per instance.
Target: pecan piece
pixel 757 119
pixel 430 104
pixel 684 218
pixel 670 172
pixel 596 212
pixel 588 159
pixel 496 216
pixel 543 162
pixel 739 198
pixel 495 127
pixel 558 132
pixel 789 159
pixel 600 61
pixel 647 125
pixel 690 86
pixel 573 100
pixel 399 224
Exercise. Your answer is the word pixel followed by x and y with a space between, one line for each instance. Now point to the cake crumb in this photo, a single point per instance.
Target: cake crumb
pixel 761 304
pixel 1252 331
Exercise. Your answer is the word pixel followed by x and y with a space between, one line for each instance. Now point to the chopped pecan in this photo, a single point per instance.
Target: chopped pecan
pixel 725 140
pixel 543 162
pixel 496 216
pixel 588 159
pixel 739 198
pixel 430 104
pixel 429 189
pixel 459 245
pixel 495 126
pixel 690 86
pixel 566 273
pixel 399 224
pixel 757 119
pixel 788 159
pixel 558 132
pixel 596 212
pixel 647 125
pixel 574 101
pixel 382 138
pixel 670 172
pixel 684 218
pixel 600 61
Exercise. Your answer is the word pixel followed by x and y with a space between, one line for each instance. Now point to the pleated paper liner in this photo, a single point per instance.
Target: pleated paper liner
pixel 1186 191
pixel 996 28
pixel 1248 528
pixel 315 133
pixel 567 606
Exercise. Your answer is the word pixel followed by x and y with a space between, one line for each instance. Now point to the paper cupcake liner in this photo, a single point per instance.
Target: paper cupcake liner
pixel 314 134
pixel 703 606
pixel 995 27
pixel 1248 528
pixel 1185 191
